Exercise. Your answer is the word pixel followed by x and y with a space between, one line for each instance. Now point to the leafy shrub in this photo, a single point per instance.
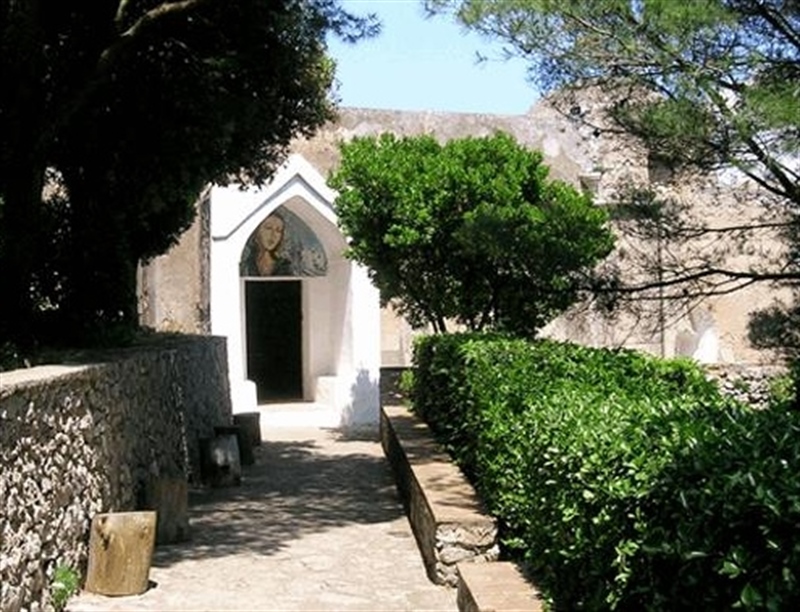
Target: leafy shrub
pixel 784 390
pixel 623 481
pixel 64 585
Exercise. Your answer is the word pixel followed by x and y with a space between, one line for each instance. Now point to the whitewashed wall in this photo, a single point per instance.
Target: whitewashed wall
pixel 341 312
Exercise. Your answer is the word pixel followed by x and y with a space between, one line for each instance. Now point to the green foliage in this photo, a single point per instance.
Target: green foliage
pixel 782 391
pixel 65 585
pixel 703 86
pixel 471 230
pixel 125 111
pixel 406 382
pixel 623 481
pixel 704 83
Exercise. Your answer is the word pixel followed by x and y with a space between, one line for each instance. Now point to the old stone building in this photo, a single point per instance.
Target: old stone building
pixel 264 268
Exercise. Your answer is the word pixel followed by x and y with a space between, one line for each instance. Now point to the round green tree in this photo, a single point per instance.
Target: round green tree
pixel 471 231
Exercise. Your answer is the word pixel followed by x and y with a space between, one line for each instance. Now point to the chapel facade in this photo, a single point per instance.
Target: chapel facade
pixel 264 267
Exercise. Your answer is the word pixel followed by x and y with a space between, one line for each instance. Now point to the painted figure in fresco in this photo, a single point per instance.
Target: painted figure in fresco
pixel 283 245
pixel 267 258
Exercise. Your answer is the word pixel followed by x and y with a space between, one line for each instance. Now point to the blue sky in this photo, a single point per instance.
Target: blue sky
pixel 427 64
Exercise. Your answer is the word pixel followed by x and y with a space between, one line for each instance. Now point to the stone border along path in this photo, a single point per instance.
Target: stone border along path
pixel 446 515
pixel 316 525
pixel 457 537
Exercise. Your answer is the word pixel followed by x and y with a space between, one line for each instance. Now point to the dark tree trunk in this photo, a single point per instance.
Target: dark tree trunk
pixel 20 246
pixel 101 300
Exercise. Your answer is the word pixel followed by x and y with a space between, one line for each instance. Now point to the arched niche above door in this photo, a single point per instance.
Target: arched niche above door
pixel 283 245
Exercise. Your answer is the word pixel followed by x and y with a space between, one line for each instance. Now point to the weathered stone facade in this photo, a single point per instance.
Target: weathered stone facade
pixel 713 329
pixel 79 440
pixel 174 289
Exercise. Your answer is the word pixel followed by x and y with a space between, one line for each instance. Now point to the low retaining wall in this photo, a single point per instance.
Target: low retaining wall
pixel 445 513
pixel 496 587
pixel 84 439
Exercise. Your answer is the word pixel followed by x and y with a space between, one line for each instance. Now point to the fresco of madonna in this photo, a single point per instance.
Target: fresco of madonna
pixel 283 245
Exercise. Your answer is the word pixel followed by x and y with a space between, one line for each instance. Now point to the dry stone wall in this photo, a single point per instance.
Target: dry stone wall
pixel 750 384
pixel 79 440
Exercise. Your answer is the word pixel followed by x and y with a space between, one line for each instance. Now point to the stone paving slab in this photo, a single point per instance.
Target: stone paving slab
pixel 316 525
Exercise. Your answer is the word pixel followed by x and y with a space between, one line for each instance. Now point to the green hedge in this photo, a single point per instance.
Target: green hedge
pixel 623 481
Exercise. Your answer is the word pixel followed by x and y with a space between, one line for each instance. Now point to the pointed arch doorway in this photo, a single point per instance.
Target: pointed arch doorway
pixel 281 251
pixel 280 244
pixel 274 330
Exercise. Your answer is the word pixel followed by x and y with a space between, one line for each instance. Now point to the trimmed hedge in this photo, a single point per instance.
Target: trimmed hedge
pixel 621 480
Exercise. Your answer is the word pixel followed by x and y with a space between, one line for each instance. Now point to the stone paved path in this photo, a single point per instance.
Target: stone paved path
pixel 316 525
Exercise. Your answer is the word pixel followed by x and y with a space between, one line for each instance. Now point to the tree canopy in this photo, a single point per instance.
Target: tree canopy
pixel 711 89
pixel 470 231
pixel 116 114
pixel 708 85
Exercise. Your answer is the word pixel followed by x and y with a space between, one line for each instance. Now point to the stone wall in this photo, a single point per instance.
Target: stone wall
pixel 78 440
pixel 750 384
pixel 173 289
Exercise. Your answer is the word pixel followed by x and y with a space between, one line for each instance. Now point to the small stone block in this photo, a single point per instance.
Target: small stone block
pixel 250 424
pixel 495 587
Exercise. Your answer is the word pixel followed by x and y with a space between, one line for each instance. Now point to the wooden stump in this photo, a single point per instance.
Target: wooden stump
pixel 120 552
pixel 169 497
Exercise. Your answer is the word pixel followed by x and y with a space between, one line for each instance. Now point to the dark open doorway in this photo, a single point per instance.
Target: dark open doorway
pixel 273 315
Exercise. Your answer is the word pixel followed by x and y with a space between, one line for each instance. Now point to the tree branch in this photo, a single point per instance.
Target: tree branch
pixel 787 188
pixel 147 20
pixel 123 41
pixel 779 22
pixel 119 18
pixel 731 275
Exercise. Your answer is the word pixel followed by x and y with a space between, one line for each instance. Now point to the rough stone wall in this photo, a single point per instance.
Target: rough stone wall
pixel 564 129
pixel 174 288
pixel 80 440
pixel 749 384
pixel 544 129
pixel 675 321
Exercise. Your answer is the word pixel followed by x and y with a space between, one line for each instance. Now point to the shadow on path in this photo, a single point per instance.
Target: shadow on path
pixel 316 525
pixel 296 488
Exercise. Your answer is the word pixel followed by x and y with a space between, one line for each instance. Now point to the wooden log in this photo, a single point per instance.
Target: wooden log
pixel 169 497
pixel 120 553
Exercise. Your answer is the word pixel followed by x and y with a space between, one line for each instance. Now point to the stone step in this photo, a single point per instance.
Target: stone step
pixel 495 587
pixel 298 414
